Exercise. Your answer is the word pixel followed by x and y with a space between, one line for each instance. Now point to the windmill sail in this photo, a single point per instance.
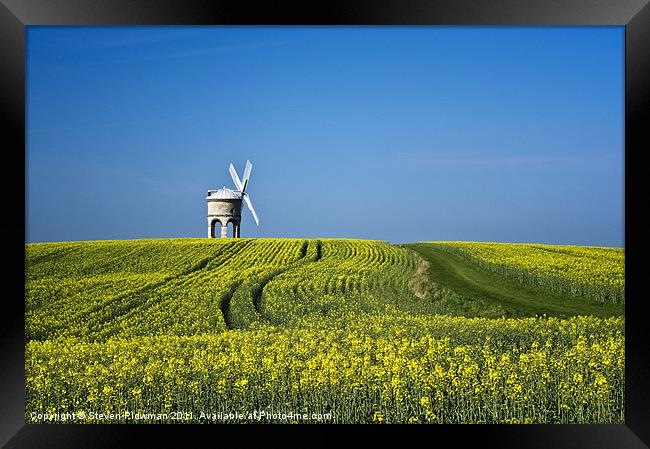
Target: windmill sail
pixel 235 178
pixel 247 199
pixel 247 175
pixel 241 184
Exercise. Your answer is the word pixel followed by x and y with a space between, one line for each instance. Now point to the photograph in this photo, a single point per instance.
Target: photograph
pixel 272 224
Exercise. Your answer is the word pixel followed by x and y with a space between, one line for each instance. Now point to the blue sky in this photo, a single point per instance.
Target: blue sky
pixel 394 133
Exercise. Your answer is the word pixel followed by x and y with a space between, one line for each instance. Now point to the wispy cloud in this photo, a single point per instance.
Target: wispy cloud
pixel 227 48
pixel 488 160
pixel 125 123
pixel 147 37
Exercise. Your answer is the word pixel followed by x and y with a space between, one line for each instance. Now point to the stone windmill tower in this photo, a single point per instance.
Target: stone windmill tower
pixel 224 204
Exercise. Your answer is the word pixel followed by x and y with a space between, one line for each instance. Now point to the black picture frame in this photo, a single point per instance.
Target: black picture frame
pixel 15 15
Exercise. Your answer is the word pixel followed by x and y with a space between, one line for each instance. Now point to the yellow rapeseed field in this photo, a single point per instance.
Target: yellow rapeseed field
pixel 198 330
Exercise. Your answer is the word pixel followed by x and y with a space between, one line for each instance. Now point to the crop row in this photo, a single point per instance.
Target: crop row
pixel 185 300
pixel 351 274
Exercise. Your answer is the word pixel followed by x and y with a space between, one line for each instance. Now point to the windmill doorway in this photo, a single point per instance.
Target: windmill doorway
pixel 217 229
pixel 233 229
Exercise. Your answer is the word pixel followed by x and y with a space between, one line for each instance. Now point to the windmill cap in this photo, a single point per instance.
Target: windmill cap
pixel 224 193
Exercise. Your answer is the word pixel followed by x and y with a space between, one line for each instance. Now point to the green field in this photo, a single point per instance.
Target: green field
pixel 458 271
pixel 354 330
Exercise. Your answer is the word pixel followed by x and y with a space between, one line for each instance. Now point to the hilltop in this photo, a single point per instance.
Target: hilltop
pixel 426 332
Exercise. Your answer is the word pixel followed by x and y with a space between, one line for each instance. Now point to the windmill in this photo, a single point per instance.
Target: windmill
pixel 224 204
